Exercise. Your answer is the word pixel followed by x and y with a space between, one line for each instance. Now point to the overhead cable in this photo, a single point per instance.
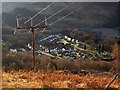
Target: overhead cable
pixel 69 14
pixel 39 12
pixel 55 13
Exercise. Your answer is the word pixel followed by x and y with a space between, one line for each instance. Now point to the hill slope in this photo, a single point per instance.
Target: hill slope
pixel 100 19
pixel 95 15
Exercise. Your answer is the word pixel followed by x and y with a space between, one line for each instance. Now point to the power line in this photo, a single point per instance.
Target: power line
pixel 39 12
pixel 68 14
pixel 55 13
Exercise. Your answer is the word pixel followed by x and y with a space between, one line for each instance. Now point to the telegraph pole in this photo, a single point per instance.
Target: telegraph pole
pixel 33 44
pixel 32 29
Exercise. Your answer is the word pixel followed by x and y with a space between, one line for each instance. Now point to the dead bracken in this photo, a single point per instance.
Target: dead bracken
pixel 30 79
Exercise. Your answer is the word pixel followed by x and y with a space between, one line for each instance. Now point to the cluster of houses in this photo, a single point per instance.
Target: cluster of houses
pixel 18 50
pixel 65 47
pixel 26 48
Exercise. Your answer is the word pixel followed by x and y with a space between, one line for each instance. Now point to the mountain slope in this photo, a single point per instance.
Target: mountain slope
pixel 95 15
pixel 97 18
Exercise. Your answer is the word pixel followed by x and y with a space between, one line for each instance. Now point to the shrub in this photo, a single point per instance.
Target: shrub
pixel 17 61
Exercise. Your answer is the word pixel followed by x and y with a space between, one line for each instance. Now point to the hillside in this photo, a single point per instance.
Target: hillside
pixel 77 53
pixel 95 15
pixel 99 19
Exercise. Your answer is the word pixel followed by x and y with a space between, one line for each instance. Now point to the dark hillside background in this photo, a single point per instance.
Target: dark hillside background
pixel 98 18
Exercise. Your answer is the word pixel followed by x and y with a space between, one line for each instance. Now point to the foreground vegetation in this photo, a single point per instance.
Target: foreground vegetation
pixel 17 72
pixel 30 79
